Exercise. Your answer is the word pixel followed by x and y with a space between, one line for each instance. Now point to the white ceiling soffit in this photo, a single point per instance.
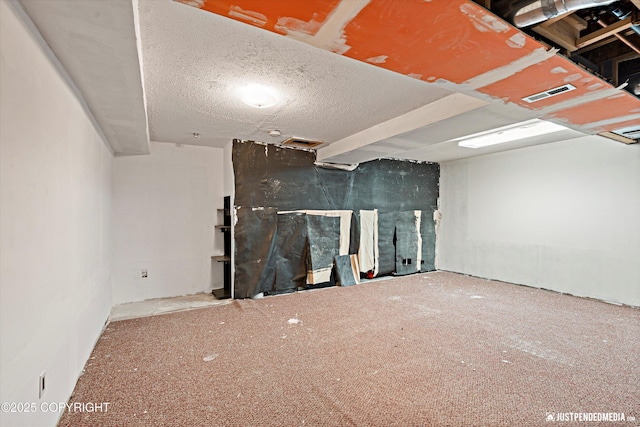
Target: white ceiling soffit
pixel 96 43
pixel 433 142
pixel 194 63
pixel 445 108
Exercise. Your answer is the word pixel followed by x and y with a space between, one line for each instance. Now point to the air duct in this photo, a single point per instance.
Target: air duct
pixel 621 12
pixel 542 10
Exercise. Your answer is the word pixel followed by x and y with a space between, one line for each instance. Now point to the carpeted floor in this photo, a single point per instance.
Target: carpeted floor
pixel 437 349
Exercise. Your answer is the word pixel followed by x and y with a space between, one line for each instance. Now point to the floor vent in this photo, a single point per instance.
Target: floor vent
pixel 549 93
pixel 301 143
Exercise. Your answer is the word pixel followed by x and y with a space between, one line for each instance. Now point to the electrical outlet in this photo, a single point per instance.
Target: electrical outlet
pixel 144 273
pixel 41 384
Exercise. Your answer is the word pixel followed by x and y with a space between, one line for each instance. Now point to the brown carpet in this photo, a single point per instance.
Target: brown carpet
pixel 437 349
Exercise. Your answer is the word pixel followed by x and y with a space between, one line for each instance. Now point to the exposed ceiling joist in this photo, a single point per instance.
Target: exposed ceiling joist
pixel 605 32
pixel 599 44
pixel 556 19
pixel 620 37
pixel 563 30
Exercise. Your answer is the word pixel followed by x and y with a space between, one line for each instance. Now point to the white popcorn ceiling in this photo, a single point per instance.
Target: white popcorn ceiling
pixel 194 61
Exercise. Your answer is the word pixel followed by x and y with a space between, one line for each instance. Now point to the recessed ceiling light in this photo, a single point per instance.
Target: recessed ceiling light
pixel 259 96
pixel 509 133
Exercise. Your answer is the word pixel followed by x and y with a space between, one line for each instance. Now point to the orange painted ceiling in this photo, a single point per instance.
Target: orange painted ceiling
pixel 442 40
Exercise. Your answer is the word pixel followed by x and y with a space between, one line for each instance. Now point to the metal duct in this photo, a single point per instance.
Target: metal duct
pixel 621 13
pixel 542 10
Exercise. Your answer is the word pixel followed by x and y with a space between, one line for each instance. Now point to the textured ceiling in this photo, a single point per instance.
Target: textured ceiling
pixel 456 44
pixel 370 78
pixel 194 62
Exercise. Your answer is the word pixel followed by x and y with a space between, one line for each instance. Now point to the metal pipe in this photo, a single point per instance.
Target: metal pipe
pixel 542 10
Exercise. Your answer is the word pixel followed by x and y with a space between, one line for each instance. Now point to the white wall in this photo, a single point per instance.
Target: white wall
pixel 55 195
pixel 164 213
pixel 562 216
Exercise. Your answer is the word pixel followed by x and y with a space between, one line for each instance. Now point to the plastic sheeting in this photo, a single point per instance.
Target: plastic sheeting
pixel 274 179
pixel 291 250
pixel 408 243
pixel 323 233
pixel 428 234
pixel 255 245
pixel 347 270
pixel 386 242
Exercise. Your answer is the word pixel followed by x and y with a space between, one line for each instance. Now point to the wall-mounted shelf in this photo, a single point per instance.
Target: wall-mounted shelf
pixel 225 228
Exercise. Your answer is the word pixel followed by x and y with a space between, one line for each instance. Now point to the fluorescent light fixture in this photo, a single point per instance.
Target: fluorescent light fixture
pixel 509 133
pixel 258 96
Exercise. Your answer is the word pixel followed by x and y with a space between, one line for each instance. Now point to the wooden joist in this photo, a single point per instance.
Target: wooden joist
pixel 603 33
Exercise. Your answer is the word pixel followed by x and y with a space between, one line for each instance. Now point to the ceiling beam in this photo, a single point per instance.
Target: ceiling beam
pixel 603 33
pixel 621 37
pixel 555 19
pixel 436 111
pixel 601 43
pixel 564 31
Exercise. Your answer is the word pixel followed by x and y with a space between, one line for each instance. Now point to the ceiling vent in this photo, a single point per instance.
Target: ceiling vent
pixel 301 143
pixel 618 137
pixel 630 132
pixel 628 135
pixel 549 93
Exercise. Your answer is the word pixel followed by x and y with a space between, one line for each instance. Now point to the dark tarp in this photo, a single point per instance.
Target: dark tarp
pixel 323 233
pixel 406 243
pixel 386 243
pixel 284 179
pixel 291 253
pixel 428 233
pixel 254 251
pixel 345 272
